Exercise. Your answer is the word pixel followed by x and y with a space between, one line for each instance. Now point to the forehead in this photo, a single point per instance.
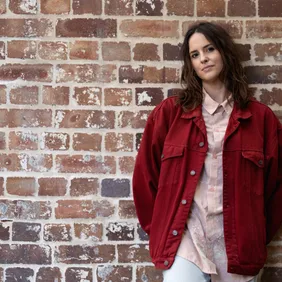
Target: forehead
pixel 198 41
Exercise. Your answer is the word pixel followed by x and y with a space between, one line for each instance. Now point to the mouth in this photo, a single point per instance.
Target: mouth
pixel 206 68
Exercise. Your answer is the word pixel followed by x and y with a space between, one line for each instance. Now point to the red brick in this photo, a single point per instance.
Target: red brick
pixel 93 232
pixel 119 142
pixel 149 28
pixel 264 74
pixel 85 119
pixel 120 231
pixel 108 273
pixel 86 73
pixel 127 209
pixel 25 27
pixel 3 118
pixel 180 8
pixel 47 274
pixel 116 51
pixel 87 7
pixel 88 96
pixel 84 254
pixel 244 51
pixel 54 141
pixel 52 186
pixel 270 50
pixel 26 231
pixel 84 187
pixel 23 7
pixel 2 11
pixel 24 95
pixel 53 50
pixel 271 274
pixel 241 8
pixel 55 95
pixel 19 274
pixel 55 6
pixel 146 52
pixel 99 28
pixel 133 253
pixel 162 75
pixel 2 143
pixel 29 118
pixel 87 142
pixel 264 29
pixel 171 52
pixel 119 8
pixel 149 8
pixel 133 120
pixel 129 74
pixel 210 8
pixel 25 254
pixel 126 164
pixel 79 274
pixel 21 186
pixel 40 73
pixel 1 187
pixel 271 97
pixel 22 49
pixel 149 96
pixel 269 8
pixel 84 50
pixel 25 210
pixel 3 98
pixel 2 50
pixel 118 96
pixel 57 232
pixel 4 234
pixel 148 273
pixel 21 140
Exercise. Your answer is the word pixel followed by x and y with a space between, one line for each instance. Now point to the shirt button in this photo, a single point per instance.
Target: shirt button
pixel 201 144
pixel 174 232
pixel 192 172
pixel 166 263
pixel 183 202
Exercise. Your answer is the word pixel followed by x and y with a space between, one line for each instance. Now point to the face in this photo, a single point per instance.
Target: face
pixel 205 58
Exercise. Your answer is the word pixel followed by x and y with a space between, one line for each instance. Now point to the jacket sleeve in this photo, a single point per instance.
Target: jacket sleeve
pixel 273 192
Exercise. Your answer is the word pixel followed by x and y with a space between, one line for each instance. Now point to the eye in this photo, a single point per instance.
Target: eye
pixel 210 49
pixel 194 55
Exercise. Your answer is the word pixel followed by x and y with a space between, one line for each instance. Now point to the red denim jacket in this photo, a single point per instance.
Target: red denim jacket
pixel 168 167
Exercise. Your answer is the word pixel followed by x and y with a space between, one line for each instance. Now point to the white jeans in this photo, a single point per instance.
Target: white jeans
pixel 183 270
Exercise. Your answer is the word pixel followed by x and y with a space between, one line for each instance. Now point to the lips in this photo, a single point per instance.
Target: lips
pixel 207 68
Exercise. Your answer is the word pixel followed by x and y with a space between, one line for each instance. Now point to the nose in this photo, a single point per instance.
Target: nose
pixel 203 58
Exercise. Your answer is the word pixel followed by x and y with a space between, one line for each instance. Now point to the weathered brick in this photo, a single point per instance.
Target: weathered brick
pixel 269 8
pixel 133 253
pixel 2 50
pixel 1 187
pixel 119 142
pixel 149 7
pixel 149 28
pixel 87 7
pixel 143 236
pixel 55 6
pixel 180 8
pixel 146 52
pixel 244 51
pixel 83 209
pixel 267 51
pixel 118 96
pixel 2 11
pixel 119 8
pixel 57 232
pixel 86 73
pixel 127 209
pixel 116 51
pixel 162 75
pixel 54 141
pixel 22 49
pixel 25 210
pixel 87 142
pixel 210 8
pixel 22 140
pixel 149 96
pixel 88 96
pixel 79 274
pixel 2 144
pixel 21 186
pixel 53 50
pixel 263 29
pixel 138 139
pixel 274 254
pixel 47 274
pixel 148 273
pixel 84 50
pixel 120 231
pixel 85 164
pixel 4 232
pixel 85 119
pixel 99 28
pixel 241 8
pixel 271 274
pixel 28 72
pixel 84 186
pixel 55 95
pixel 19 274
pixel 25 254
pixel 171 52
pixel 92 232
pixel 3 98
pixel 126 164
pixel 271 97
pixel 23 7
pixel 134 120
pixel 52 186
pixel 129 74
pixel 24 95
pixel 78 254
pixel 264 74
pixel 108 273
pixel 115 188
pixel 23 231
pixel 26 27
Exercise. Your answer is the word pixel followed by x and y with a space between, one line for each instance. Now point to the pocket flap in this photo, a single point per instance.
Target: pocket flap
pixel 255 157
pixel 171 152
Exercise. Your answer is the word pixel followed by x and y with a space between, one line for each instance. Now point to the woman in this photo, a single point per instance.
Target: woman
pixel 207 182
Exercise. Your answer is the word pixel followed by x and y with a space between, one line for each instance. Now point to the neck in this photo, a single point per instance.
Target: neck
pixel 217 91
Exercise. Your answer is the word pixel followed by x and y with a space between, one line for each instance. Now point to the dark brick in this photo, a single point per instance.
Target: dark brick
pixel 171 52
pixel 48 274
pixel 264 74
pixel 143 236
pixel 120 231
pixel 19 274
pixel 115 188
pixel 57 232
pixel 149 8
pixel 127 209
pixel 211 8
pixel 4 232
pixel 79 274
pixel 133 253
pixel 128 74
pixel 173 92
pixel 93 7
pixel 244 51
pixel 119 8
pixel 137 120
pixel 271 97
pixel 138 140
pixel 84 186
pixel 28 232
pixel 109 273
pixel 2 50
pixel 180 8
pixel 149 96
pixel 271 274
pixel 269 8
pixel 23 7
pixel 270 50
pixel 148 274
pixel 241 8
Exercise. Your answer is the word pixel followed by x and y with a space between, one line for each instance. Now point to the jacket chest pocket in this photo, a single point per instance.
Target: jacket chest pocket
pixel 253 171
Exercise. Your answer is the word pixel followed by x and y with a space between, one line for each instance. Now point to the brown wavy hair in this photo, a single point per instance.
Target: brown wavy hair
pixel 232 74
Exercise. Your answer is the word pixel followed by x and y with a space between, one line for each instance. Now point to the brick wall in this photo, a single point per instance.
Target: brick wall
pixel 78 80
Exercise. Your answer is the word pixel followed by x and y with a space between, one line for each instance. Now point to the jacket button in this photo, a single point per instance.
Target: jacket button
pixel 183 202
pixel 201 144
pixel 174 232
pixel 166 263
pixel 192 172
pixel 260 162
pixel 162 156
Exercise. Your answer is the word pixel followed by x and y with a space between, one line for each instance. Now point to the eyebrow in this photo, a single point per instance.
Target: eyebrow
pixel 203 48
